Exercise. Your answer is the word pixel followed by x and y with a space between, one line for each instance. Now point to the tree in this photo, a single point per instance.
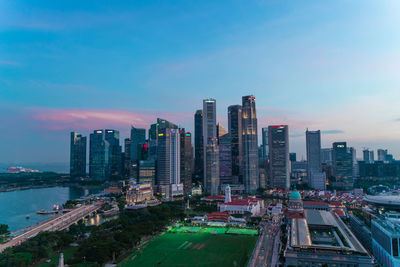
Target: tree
pixel 4 229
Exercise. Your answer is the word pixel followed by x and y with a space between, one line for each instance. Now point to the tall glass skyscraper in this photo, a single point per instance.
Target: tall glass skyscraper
pixel 99 156
pixel 225 159
pixel 115 160
pixel 138 138
pixel 77 155
pixel 316 178
pixel 211 181
pixel 342 166
pixel 235 131
pixel 198 145
pixel 250 144
pixel 279 163
pixel 264 145
pixel 210 145
pixel 186 160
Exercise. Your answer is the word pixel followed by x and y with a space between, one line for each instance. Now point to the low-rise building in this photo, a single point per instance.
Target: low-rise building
pixel 139 193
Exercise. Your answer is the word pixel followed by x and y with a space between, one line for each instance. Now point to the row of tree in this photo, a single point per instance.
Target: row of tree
pixel 108 242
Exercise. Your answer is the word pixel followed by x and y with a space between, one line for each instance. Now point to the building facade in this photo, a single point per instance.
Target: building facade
pixel 77 155
pixel 138 138
pixel 250 144
pixel 115 157
pixel 235 130
pixel 279 163
pixel 99 158
pixel 225 159
pixel 316 178
pixel 342 166
pixel 186 160
pixel 198 145
pixel 210 145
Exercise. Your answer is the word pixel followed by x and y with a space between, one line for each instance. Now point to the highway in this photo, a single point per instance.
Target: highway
pixel 55 224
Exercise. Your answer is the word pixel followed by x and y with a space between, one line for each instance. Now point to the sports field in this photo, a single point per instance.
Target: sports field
pixel 213 230
pixel 194 249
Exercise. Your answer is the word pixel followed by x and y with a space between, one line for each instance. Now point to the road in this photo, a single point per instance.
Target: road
pixel 56 224
pixel 267 253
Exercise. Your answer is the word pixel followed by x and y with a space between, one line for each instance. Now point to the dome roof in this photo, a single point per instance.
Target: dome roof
pixel 295 195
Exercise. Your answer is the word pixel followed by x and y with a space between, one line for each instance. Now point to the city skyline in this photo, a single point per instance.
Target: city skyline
pixel 341 65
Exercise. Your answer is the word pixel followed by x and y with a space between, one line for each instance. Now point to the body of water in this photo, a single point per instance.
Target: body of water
pixel 16 205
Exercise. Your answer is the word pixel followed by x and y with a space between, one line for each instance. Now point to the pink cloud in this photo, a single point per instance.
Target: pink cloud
pixel 90 119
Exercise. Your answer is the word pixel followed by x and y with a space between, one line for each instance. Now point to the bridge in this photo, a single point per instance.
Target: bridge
pixel 54 224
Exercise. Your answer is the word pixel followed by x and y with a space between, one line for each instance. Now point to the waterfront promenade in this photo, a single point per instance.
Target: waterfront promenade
pixel 55 224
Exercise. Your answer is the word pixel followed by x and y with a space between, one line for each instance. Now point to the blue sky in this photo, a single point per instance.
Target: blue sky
pixel 80 65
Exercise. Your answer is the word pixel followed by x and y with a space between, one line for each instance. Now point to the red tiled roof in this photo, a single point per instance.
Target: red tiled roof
pixel 315 203
pixel 218 216
pixel 295 215
pixel 339 212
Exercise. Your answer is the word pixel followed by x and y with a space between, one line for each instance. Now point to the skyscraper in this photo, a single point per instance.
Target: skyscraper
pixel 279 163
pixel 225 159
pixel 138 138
pixel 327 156
pixel 342 166
pixel 250 144
pixel 209 133
pixel 186 160
pixel 127 158
pixel 211 181
pixel 316 178
pixel 115 160
pixel 368 156
pixel 264 145
pixel 198 145
pixel 235 131
pixel 77 155
pixel 168 163
pixel 153 136
pixel 221 130
pixel 99 160
pixel 382 153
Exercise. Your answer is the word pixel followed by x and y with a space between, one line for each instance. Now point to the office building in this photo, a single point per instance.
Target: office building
pixel 186 160
pixel 138 138
pixel 264 145
pixel 382 153
pixel 385 239
pixel 198 145
pixel 209 133
pixel 211 181
pixel 327 156
pixel 225 159
pixel 293 157
pixel 115 159
pixel 147 172
pixel 279 164
pixel 342 166
pixel 235 130
pixel 127 158
pixel 168 163
pixel 77 155
pixel 316 178
pixel 368 156
pixel 250 144
pixel 221 130
pixel 99 159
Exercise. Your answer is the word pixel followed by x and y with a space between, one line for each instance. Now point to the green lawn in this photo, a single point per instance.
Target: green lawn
pixel 68 253
pixel 194 249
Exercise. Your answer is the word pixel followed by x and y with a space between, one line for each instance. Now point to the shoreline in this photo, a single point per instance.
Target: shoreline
pixel 21 188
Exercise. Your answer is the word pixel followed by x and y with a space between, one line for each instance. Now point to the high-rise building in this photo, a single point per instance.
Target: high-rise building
pixel 115 160
pixel 198 145
pixel 77 155
pixel 342 166
pixel 127 158
pixel 264 145
pixel 279 164
pixel 147 172
pixel 368 156
pixel 221 130
pixel 186 160
pixel 225 159
pixel 327 156
pixel 211 181
pixel 382 153
pixel 153 136
pixel 168 163
pixel 250 144
pixel 99 159
pixel 293 157
pixel 316 178
pixel 235 130
pixel 138 138
pixel 209 133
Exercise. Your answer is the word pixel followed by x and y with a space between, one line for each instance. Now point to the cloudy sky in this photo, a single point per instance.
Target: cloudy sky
pixel 82 65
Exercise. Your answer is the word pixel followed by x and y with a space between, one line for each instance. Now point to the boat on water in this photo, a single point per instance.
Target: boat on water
pixel 27 217
pixel 46 211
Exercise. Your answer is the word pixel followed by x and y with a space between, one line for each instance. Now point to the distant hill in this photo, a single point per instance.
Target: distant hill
pixel 58 167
